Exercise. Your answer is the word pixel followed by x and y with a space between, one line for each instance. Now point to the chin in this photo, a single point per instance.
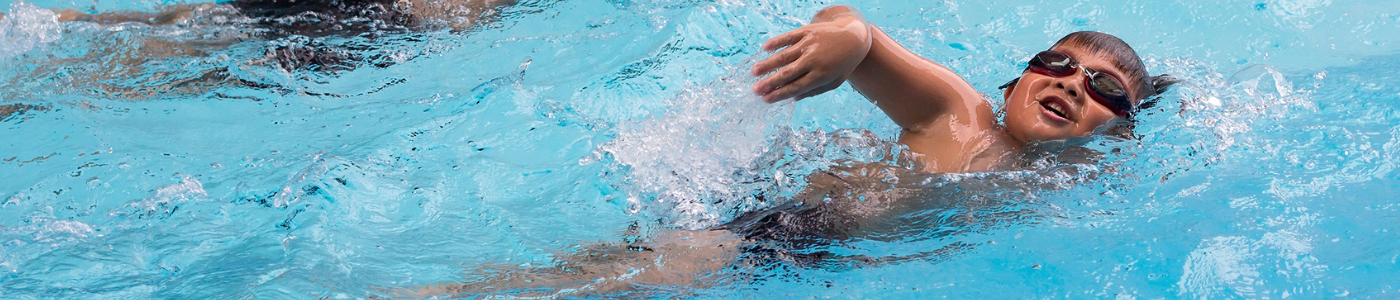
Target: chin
pixel 1023 126
pixel 1029 128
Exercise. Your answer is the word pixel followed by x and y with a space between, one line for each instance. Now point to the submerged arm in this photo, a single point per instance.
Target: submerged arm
pixel 675 258
pixel 841 44
pixel 168 15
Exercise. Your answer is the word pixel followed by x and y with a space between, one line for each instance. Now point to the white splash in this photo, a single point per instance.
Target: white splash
pixel 26 27
pixel 55 232
pixel 189 188
pixel 704 148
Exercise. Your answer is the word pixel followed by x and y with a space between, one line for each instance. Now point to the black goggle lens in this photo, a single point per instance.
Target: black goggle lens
pixel 1055 63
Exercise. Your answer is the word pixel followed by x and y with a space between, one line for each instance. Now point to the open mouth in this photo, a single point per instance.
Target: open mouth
pixel 1056 107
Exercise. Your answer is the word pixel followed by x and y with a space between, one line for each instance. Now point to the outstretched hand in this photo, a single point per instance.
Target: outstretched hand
pixel 816 59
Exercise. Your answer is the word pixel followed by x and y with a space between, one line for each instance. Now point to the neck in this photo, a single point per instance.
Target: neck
pixel 1006 150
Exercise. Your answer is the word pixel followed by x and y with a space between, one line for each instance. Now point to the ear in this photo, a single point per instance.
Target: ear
pixel 1005 93
pixel 1008 88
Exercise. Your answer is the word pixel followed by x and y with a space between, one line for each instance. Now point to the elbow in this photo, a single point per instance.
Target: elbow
pixel 838 8
pixel 832 12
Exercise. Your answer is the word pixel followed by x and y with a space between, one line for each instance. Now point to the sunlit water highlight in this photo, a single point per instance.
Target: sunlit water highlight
pixel 211 170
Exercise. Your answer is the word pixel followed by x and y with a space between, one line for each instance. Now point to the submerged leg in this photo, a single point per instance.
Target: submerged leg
pixel 169 15
pixel 675 258
pixel 457 14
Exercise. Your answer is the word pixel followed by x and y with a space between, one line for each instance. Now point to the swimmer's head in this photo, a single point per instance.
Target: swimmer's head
pixel 1085 81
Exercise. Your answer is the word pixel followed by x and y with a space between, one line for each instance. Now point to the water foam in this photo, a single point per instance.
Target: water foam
pixel 706 144
pixel 720 150
pixel 27 27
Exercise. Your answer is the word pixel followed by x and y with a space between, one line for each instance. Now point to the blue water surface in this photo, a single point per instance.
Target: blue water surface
pixel 215 172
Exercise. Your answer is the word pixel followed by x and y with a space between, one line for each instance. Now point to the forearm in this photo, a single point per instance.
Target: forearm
pixel 910 89
pixel 840 45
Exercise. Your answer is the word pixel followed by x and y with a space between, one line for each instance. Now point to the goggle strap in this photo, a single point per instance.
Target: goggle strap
pixel 1009 83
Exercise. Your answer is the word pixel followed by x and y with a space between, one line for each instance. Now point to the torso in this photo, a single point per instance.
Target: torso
pixel 961 141
pixel 846 201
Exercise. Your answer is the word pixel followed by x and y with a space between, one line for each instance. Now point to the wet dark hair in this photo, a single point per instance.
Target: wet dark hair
pixel 1123 57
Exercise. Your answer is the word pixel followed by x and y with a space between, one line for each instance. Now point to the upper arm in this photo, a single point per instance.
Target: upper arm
pixel 912 90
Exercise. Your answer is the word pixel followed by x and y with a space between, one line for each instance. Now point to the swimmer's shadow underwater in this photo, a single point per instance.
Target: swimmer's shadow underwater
pixel 309 40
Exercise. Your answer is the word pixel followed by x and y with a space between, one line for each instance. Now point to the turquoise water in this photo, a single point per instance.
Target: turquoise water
pixel 214 172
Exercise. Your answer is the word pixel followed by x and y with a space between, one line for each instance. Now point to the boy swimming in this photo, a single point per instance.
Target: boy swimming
pixel 1085 83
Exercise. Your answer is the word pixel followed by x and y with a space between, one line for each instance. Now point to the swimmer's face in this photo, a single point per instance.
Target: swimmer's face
pixel 1046 108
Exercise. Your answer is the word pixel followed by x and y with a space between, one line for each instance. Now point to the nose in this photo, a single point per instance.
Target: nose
pixel 1073 85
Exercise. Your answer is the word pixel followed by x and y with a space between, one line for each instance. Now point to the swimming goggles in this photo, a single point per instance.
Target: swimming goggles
pixel 1103 88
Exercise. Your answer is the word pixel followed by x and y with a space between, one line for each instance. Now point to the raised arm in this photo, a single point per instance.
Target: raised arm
pixel 841 44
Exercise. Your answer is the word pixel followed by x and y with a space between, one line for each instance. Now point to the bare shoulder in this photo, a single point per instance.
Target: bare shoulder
pixel 951 141
pixel 971 110
pixel 979 111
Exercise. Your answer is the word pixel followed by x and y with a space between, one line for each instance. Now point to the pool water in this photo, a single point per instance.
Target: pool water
pixel 185 162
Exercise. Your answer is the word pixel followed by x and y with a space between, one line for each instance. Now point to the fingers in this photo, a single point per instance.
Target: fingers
pixel 783 40
pixel 779 59
pixel 822 89
pixel 784 76
pixel 797 87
